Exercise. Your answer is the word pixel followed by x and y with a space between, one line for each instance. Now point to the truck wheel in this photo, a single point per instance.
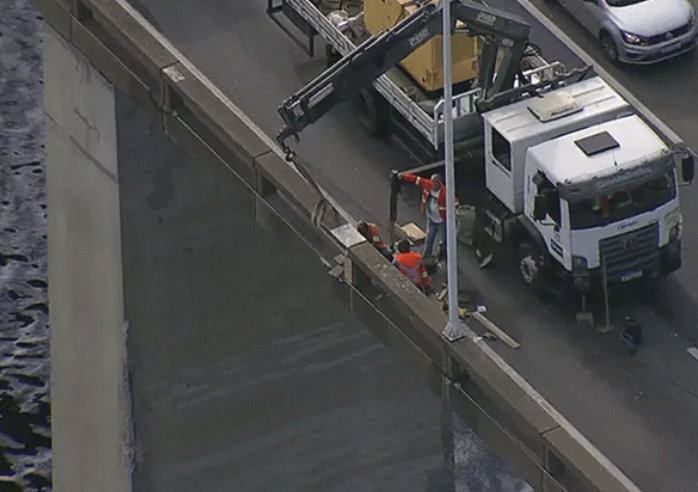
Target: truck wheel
pixel 373 112
pixel 332 56
pixel 529 259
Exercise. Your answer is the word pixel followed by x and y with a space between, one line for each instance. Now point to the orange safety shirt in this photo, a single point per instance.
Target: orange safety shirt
pixel 374 235
pixel 426 186
pixel 410 264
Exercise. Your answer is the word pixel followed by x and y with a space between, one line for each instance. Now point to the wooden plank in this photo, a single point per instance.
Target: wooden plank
pixel 480 318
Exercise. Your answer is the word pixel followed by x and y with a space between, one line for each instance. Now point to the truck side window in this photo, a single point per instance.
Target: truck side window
pixel 554 206
pixel 553 199
pixel 501 149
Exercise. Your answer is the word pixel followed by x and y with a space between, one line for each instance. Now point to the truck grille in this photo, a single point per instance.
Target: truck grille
pixel 632 252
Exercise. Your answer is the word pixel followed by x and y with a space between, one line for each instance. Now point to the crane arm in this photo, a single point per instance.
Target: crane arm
pixel 500 30
pixel 375 56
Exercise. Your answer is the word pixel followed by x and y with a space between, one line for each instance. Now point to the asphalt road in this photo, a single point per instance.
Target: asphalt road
pixel 641 411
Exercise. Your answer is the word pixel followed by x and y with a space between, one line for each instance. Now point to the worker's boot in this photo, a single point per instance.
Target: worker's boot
pixel 441 255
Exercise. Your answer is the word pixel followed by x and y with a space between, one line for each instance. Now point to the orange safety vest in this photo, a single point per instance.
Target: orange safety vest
pixel 374 234
pixel 410 264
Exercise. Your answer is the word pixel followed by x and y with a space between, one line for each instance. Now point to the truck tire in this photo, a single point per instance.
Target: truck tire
pixel 332 56
pixel 373 112
pixel 529 257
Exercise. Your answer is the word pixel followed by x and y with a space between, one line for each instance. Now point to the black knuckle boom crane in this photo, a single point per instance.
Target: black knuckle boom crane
pixel 346 78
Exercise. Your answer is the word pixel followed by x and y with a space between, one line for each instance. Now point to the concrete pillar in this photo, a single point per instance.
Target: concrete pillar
pixel 89 397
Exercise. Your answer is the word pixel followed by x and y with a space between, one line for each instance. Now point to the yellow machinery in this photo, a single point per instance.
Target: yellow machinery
pixel 425 64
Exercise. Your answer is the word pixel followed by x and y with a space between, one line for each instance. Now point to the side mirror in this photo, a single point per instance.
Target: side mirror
pixel 540 208
pixel 687 168
pixel 538 179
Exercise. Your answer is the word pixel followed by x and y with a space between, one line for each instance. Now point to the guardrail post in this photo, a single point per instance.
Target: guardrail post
pixel 263 213
pixel 553 469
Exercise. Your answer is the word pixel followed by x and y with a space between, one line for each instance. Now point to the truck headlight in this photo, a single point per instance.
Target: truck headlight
pixel 579 263
pixel 631 38
pixel 675 232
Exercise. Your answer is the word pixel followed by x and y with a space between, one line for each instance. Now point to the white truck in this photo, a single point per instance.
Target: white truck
pixel 576 182
pixel 582 187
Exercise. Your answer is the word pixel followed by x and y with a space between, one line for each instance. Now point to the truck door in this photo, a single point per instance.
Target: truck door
pixel 552 225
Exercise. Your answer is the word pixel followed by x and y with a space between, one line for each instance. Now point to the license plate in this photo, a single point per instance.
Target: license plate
pixel 631 276
pixel 670 48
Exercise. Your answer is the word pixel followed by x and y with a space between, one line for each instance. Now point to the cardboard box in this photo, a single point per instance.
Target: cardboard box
pixel 413 232
pixel 425 64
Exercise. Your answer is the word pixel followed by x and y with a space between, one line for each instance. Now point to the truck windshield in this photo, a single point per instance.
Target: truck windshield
pixel 620 205
pixel 622 3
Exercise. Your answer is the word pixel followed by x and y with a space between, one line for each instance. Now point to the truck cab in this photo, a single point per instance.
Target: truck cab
pixel 606 197
pixel 581 186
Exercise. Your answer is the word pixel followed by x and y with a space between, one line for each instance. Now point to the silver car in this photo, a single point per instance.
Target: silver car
pixel 638 31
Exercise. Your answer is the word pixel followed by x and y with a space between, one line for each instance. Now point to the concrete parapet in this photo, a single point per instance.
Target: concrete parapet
pixel 187 97
pixel 588 468
pixel 513 418
pixel 133 42
pixel 57 13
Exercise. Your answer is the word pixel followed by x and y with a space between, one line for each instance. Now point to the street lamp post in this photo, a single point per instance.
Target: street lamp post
pixel 454 328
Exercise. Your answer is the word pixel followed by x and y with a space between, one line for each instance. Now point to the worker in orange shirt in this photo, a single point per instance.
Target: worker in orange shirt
pixel 371 232
pixel 433 205
pixel 410 263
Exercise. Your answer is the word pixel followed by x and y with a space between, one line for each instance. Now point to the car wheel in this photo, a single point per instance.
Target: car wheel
pixel 609 47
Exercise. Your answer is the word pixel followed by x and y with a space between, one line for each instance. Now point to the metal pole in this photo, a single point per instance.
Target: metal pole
pixel 453 330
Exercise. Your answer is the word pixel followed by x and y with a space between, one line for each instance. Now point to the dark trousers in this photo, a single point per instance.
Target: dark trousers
pixel 386 252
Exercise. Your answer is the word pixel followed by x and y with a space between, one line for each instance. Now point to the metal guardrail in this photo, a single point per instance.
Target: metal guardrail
pixel 464 104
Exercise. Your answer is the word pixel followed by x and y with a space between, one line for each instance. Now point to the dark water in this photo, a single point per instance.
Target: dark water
pixel 25 442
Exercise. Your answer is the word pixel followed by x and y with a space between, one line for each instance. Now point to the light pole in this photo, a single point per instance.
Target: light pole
pixel 454 329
